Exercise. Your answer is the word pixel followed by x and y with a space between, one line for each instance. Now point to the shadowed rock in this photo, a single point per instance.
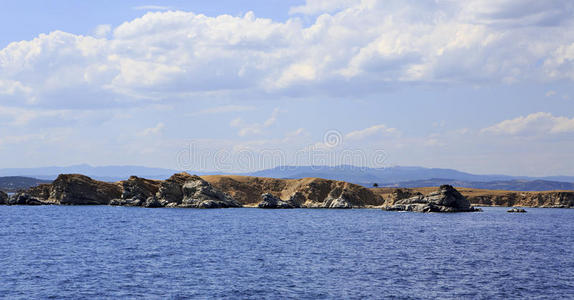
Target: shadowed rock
pixel 516 210
pixel 198 193
pixel 3 198
pixel 26 199
pixel 185 190
pixel 136 191
pixel 271 202
pixel 82 190
pixel 446 199
pixel 170 192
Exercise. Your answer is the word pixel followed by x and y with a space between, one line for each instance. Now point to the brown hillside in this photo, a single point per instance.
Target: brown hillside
pixel 315 191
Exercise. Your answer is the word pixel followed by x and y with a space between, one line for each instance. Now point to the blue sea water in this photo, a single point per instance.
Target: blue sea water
pixel 99 252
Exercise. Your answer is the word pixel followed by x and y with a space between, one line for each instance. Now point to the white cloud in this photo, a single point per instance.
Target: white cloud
pixel 102 31
pixel 153 130
pixel 246 129
pixel 312 7
pixel 367 132
pixel 532 125
pixel 359 48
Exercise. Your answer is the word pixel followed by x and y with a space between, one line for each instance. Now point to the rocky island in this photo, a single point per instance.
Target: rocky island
pixel 227 191
pixel 446 199
pixel 190 191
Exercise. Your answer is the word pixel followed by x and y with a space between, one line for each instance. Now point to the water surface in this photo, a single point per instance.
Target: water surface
pixel 113 252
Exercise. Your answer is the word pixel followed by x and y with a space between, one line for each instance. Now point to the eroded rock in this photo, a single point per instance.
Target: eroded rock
pixel 446 199
pixel 516 210
pixel 198 193
pixel 3 198
pixel 271 202
pixel 136 191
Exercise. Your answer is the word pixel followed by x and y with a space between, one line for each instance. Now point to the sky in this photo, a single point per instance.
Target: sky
pixel 483 86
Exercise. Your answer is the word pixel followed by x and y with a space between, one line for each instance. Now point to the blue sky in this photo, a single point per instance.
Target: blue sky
pixel 482 86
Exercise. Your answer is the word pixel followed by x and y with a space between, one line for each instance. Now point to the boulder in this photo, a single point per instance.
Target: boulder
pixel 152 202
pixel 446 199
pixel 170 191
pixel 272 202
pixel 340 202
pixel 25 199
pixel 198 193
pixel 3 198
pixel 136 191
pixel 516 210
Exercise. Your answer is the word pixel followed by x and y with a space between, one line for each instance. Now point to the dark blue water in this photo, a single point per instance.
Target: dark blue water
pixel 116 252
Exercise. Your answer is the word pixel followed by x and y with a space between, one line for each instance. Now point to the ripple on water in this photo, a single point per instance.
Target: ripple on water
pixel 108 252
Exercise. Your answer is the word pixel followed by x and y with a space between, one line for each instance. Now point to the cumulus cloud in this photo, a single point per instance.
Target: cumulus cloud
pixel 312 7
pixel 352 48
pixel 102 31
pixel 533 124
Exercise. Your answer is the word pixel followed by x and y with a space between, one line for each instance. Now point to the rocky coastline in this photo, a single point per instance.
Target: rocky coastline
pixel 183 190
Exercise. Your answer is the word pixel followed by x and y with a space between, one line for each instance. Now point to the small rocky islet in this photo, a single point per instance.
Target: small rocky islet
pixel 190 191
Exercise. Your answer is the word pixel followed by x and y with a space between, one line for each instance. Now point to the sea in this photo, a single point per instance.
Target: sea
pixel 102 252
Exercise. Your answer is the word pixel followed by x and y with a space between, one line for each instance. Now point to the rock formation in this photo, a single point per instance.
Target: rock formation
pixel 68 190
pixel 136 191
pixel 478 197
pixel 446 199
pixel 82 190
pixel 270 201
pixel 3 198
pixel 516 210
pixel 304 193
pixel 198 193
pixel 185 190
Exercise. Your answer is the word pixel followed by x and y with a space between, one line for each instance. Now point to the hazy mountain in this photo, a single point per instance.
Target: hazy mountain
pixel 508 185
pixel 388 175
pixel 106 173
pixel 391 176
pixel 15 183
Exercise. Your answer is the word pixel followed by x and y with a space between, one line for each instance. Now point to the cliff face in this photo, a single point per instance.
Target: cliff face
pixel 75 189
pixel 445 199
pixel 531 199
pixel 306 192
pixel 564 199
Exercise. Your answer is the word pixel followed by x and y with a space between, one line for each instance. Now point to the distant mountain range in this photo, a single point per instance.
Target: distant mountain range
pixel 505 185
pixel 15 183
pixel 391 176
pixel 107 173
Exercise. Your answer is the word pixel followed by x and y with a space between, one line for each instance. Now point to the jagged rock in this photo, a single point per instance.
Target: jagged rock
pixel 152 202
pixel 340 202
pixel 297 200
pixel 25 199
pixel 3 198
pixel 170 192
pixel 270 201
pixel 516 210
pixel 198 193
pixel 136 191
pixel 77 189
pixel 446 199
